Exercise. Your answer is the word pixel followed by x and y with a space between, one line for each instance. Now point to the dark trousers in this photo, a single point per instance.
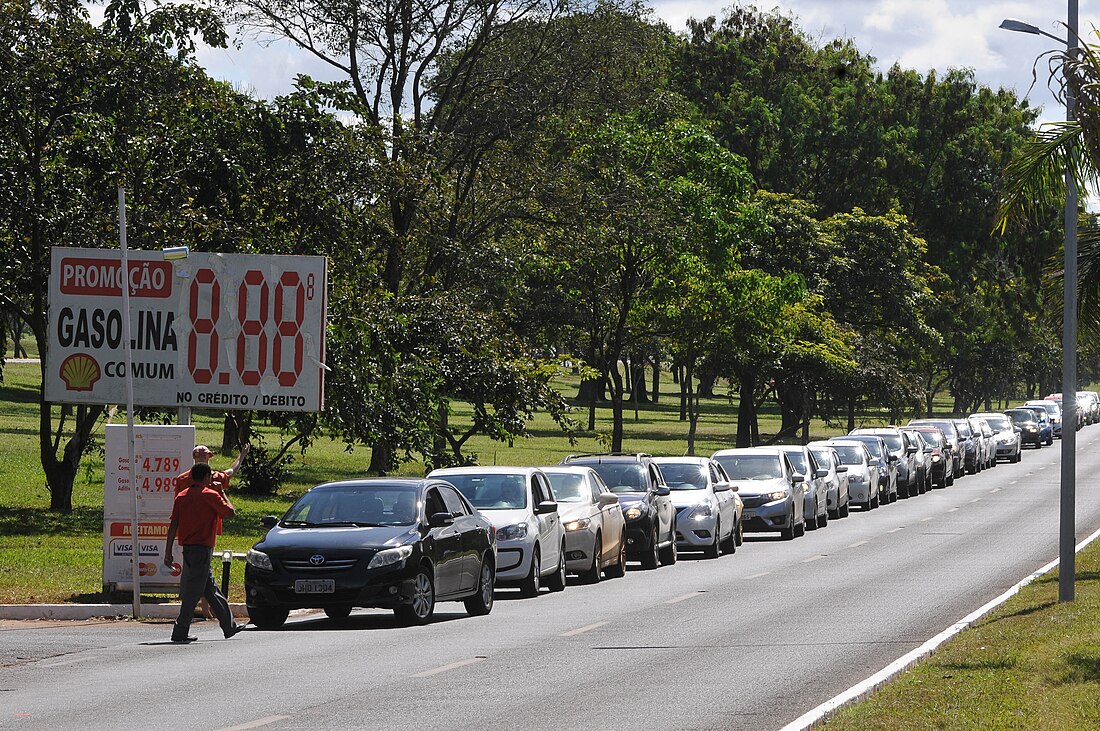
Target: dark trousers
pixel 196 582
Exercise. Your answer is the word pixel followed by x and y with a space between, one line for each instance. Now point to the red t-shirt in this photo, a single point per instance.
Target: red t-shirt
pixel 198 510
pixel 219 481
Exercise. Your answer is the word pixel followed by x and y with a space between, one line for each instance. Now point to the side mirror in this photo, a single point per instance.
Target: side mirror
pixel 547 506
pixel 663 491
pixel 821 474
pixel 607 499
pixel 441 520
pixel 269 521
pixel 796 479
pixel 911 450
pixel 893 458
pixel 842 469
pixel 721 487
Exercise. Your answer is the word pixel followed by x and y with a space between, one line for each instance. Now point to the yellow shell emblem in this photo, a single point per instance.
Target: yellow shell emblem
pixel 79 372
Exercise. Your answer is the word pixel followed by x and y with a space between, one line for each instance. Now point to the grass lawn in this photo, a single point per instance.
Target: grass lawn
pixel 1031 664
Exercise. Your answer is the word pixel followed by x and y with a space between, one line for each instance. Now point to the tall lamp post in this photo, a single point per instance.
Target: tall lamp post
pixel 1068 480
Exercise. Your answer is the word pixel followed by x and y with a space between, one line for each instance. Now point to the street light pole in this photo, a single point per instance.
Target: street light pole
pixel 1068 479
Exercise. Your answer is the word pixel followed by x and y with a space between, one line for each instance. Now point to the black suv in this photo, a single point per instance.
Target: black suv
pixel 644 498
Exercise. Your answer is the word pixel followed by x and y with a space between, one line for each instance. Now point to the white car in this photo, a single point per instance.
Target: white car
pixel 771 488
pixel 708 510
pixel 837 493
pixel 863 470
pixel 520 503
pixel 1006 440
pixel 595 530
pixel 817 496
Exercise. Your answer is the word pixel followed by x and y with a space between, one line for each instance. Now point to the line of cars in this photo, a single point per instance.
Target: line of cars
pixel 406 544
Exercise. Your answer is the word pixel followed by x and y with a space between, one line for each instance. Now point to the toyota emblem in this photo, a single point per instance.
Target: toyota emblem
pixel 317 559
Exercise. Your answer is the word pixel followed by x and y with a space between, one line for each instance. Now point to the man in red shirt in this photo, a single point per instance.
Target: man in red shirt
pixel 201 454
pixel 196 515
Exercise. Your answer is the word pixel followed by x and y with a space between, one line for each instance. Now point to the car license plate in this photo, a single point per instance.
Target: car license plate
pixel 315 586
pixel 748 515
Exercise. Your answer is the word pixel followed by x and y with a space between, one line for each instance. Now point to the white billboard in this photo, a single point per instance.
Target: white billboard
pixel 161 453
pixel 220 331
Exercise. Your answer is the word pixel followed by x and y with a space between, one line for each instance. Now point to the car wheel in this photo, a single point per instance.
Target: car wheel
pixel 873 502
pixel 556 580
pixel 338 611
pixel 481 603
pixel 730 544
pixel 618 569
pixel 267 617
pixel 800 529
pixel 592 575
pixel 810 524
pixel 651 559
pixel 714 550
pixel 789 533
pixel 845 509
pixel 669 552
pixel 823 519
pixel 423 600
pixel 740 540
pixel 529 587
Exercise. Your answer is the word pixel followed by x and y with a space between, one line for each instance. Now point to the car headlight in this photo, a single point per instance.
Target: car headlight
pixel 937 458
pixel 633 513
pixel 259 559
pixel 575 525
pixel 390 557
pixel 777 495
pixel 855 478
pixel 512 532
pixel 702 511
pixel 1033 429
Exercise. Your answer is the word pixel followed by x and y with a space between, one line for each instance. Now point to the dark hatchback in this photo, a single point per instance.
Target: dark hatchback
pixel 400 544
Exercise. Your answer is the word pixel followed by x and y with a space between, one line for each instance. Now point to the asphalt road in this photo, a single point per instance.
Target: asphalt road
pixel 747 641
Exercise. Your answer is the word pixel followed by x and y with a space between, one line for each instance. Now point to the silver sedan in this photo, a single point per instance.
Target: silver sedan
pixel 708 510
pixel 595 530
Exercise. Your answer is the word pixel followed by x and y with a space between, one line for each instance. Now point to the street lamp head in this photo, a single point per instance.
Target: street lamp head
pixel 172 253
pixel 1019 26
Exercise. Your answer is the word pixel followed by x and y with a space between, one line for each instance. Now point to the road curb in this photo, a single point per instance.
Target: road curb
pixel 821 714
pixel 90 611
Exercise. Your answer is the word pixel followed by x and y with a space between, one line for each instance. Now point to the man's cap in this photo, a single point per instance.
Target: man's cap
pixel 201 449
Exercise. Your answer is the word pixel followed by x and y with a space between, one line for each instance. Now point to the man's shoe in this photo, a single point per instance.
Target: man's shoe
pixel 234 630
pixel 185 640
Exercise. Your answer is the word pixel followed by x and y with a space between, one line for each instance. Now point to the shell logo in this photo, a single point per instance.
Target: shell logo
pixel 80 371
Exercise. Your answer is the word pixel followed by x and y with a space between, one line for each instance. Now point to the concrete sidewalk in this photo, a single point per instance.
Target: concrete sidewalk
pixel 88 611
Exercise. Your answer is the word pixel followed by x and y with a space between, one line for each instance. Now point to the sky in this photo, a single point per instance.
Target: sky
pixel 920 34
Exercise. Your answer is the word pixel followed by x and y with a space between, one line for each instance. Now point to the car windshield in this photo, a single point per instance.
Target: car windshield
pixel 355 505
pixel 798 459
pixel 874 446
pixel 998 423
pixel 893 441
pixel 946 427
pixel 850 454
pixel 685 475
pixel 569 487
pixel 622 476
pixel 751 466
pixel 823 458
pixel 963 429
pixel 492 491
pixel 1022 417
pixel 931 438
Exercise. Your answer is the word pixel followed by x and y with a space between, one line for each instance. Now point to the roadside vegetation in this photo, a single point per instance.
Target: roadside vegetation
pixel 1031 664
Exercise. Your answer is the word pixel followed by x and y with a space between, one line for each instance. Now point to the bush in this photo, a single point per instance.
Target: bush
pixel 263 471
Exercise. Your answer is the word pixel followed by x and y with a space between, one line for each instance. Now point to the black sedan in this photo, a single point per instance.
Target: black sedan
pixel 400 544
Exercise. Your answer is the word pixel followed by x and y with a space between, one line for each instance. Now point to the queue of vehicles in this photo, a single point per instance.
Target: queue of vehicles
pixel 460 533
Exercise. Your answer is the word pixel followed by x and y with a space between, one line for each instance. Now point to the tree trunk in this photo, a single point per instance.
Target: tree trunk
pixel 693 408
pixel 655 394
pixel 851 413
pixel 616 407
pixel 638 391
pixel 381 458
pixel 685 386
pixel 746 410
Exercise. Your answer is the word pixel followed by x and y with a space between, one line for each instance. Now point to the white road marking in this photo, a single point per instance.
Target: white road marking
pixel 857 545
pixel 1013 482
pixel 684 597
pixel 757 576
pixel 996 489
pixel 582 630
pixel 255 724
pixel 952 510
pixel 895 530
pixel 977 499
pixel 70 661
pixel 811 559
pixel 925 520
pixel 450 666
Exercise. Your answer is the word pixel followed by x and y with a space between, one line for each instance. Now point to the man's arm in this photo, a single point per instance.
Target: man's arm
pixel 173 526
pixel 225 508
pixel 237 462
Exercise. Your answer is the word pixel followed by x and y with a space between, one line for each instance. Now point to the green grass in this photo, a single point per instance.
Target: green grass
pixel 1031 664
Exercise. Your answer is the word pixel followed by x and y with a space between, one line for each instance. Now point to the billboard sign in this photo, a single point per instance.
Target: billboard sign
pixel 219 331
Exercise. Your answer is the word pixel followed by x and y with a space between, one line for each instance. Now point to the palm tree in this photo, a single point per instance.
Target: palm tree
pixel 1035 179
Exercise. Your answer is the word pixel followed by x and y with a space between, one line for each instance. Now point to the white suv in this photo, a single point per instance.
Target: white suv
pixel 520 503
